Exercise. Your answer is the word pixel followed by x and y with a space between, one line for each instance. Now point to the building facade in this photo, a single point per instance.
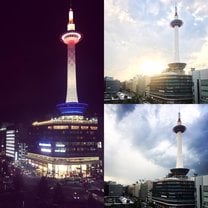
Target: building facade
pixel 2 141
pixel 66 146
pixel 111 87
pixel 201 183
pixel 139 85
pixel 200 85
pixel 171 88
pixel 174 192
pixel 113 189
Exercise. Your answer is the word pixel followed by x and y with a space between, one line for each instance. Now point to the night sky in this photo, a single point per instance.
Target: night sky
pixel 33 60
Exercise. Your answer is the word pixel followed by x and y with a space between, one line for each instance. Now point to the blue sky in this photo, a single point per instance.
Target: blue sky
pixel 140 143
pixel 139 40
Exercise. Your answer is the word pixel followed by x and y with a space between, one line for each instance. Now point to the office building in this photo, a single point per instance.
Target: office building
pixel 201 183
pixel 2 141
pixel 200 85
pixel 139 85
pixel 113 189
pixel 111 87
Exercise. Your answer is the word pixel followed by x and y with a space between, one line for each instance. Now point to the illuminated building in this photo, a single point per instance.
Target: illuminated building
pixel 2 141
pixel 175 190
pixel 173 85
pixel 70 144
pixel 10 143
pixel 13 141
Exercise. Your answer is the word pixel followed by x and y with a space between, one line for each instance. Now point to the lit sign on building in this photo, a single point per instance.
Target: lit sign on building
pixel 45 150
pixel 44 144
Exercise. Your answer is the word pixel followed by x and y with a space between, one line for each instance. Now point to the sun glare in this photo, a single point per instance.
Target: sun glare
pixel 152 67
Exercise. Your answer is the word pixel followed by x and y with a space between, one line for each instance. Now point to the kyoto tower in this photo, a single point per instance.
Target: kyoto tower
pixel 179 129
pixel 176 66
pixel 71 37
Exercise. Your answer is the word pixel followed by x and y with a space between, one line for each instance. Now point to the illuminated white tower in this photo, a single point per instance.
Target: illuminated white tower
pixel 71 38
pixel 179 129
pixel 176 66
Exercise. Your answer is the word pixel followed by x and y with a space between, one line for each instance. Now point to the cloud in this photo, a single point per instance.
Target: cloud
pixel 144 136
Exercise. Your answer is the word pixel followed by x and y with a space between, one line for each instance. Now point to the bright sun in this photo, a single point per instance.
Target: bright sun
pixel 152 67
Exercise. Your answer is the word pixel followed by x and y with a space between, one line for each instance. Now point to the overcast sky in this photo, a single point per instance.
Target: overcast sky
pixel 139 39
pixel 140 143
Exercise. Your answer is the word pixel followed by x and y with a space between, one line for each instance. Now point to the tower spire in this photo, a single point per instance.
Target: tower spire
pixel 176 9
pixel 179 118
pixel 176 13
pixel 71 24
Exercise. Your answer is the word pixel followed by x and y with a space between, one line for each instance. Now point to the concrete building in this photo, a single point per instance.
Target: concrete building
pixel 139 85
pixel 22 151
pixel 145 189
pixel 200 85
pixel 111 88
pixel 112 85
pixel 171 88
pixel 134 189
pixel 201 184
pixel 113 189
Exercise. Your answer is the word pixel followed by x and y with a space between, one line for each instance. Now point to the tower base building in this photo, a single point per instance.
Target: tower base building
pixel 171 88
pixel 174 191
pixel 66 146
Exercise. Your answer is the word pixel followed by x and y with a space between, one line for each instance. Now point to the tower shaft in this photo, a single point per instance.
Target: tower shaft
pixel 176 44
pixel 179 158
pixel 71 95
